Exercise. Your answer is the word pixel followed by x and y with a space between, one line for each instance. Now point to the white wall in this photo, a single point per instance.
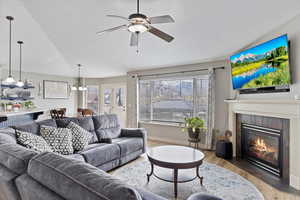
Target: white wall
pixel 39 101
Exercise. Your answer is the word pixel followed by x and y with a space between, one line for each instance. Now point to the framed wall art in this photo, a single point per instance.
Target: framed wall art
pixel 55 89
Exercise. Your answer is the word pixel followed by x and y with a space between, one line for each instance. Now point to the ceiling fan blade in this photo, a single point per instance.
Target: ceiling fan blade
pixel 161 19
pixel 117 16
pixel 160 34
pixel 112 29
pixel 134 39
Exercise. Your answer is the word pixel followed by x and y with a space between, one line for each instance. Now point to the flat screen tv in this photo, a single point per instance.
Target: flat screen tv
pixel 263 66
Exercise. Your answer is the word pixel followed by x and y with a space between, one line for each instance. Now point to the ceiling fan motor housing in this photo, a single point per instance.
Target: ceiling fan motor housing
pixel 137 15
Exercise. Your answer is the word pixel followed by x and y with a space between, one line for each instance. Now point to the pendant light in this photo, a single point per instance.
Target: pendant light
pixel 80 86
pixel 20 82
pixel 9 80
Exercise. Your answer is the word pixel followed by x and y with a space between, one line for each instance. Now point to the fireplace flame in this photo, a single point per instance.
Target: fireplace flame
pixel 260 145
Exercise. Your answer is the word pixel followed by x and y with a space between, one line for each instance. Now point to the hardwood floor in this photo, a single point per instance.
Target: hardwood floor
pixel 269 192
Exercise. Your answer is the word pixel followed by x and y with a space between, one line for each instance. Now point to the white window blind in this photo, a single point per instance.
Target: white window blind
pixel 171 98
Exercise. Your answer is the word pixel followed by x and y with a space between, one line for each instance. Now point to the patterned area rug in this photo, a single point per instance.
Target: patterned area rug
pixel 217 181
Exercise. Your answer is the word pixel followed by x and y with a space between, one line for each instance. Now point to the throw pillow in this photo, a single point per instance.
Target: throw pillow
pixel 80 136
pixel 32 141
pixel 59 139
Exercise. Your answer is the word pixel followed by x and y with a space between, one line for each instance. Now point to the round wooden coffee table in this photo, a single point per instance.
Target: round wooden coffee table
pixel 175 158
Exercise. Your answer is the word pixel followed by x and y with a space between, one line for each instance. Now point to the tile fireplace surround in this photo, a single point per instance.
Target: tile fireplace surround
pixel 286 109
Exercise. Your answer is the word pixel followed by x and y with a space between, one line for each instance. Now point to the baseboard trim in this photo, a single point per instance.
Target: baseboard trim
pixel 167 141
pixel 295 182
pixel 174 142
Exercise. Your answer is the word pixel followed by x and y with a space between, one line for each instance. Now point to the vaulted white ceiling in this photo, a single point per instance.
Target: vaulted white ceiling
pixel 58 34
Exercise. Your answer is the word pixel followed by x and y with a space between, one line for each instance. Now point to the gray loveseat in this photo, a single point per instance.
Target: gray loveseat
pixel 28 175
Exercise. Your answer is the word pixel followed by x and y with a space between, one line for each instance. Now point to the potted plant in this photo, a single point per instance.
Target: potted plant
pixel 194 126
pixel 29 104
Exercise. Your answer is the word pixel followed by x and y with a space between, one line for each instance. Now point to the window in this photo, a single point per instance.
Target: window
pixel 93 98
pixel 171 100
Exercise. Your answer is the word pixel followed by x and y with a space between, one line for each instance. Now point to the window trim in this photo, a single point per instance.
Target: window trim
pixel 161 123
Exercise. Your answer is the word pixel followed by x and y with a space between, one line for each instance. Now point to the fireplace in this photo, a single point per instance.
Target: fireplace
pixel 262 147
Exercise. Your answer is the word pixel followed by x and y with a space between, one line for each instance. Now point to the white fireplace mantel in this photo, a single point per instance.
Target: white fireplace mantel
pixel 287 109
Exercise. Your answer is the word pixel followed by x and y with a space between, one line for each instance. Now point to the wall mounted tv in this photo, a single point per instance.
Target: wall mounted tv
pixel 265 66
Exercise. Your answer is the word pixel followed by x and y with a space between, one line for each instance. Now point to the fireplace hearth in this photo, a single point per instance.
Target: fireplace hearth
pixel 262 147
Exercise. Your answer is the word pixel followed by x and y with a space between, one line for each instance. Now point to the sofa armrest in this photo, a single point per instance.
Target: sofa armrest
pixel 133 132
pixel 78 180
pixel 146 195
pixel 136 132
pixel 7 139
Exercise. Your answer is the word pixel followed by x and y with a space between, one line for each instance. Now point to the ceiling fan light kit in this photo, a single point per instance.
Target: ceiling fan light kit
pixel 80 86
pixel 9 80
pixel 20 83
pixel 137 28
pixel 140 23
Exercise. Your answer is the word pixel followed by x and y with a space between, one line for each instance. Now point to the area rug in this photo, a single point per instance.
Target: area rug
pixel 217 181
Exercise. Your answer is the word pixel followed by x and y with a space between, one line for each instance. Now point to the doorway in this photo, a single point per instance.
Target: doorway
pixel 113 101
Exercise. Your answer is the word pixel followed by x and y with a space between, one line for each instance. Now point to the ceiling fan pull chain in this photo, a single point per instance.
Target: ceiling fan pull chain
pixel 137 46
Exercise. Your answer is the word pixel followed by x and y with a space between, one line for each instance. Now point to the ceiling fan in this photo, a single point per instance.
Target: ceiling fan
pixel 139 23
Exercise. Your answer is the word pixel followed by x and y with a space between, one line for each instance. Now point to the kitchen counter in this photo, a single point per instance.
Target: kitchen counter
pixel 22 112
pixel 20 117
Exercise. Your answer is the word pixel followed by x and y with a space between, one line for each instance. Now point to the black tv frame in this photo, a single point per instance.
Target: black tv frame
pixel 274 89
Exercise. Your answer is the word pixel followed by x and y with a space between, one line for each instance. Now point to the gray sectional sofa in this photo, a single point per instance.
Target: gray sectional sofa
pixel 28 175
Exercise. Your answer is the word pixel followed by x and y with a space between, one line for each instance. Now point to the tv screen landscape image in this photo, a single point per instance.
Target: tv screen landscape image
pixel 266 65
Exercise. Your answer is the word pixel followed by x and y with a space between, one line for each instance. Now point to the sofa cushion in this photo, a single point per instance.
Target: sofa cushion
pixel 8 135
pixel 88 124
pixel 59 139
pixel 79 180
pixel 80 136
pixel 129 144
pixel 108 133
pixel 85 122
pixel 63 123
pixel 15 157
pixel 101 153
pixel 107 126
pixel 75 156
pixel 47 122
pixel 91 146
pixel 32 127
pixel 31 141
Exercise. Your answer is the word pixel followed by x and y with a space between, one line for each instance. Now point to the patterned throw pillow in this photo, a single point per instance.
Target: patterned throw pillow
pixel 59 139
pixel 31 141
pixel 80 136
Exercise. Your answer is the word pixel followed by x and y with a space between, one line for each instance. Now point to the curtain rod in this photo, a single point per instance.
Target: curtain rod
pixel 167 73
